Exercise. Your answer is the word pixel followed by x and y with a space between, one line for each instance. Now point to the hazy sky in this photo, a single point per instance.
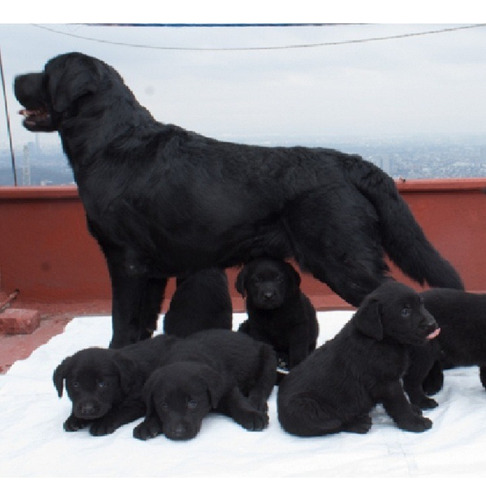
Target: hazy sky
pixel 429 84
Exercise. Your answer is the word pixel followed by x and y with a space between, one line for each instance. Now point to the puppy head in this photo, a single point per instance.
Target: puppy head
pixel 181 395
pixel 95 379
pixel 47 95
pixel 397 312
pixel 267 282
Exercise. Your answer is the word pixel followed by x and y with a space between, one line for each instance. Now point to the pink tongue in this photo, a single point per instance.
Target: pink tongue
pixel 434 334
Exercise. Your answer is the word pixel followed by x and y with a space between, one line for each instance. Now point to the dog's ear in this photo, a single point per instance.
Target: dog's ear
pixel 214 383
pixel 241 282
pixel 60 374
pixel 129 375
pixel 367 319
pixel 147 394
pixel 78 76
pixel 294 275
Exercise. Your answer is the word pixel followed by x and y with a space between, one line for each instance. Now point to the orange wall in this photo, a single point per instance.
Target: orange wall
pixel 47 254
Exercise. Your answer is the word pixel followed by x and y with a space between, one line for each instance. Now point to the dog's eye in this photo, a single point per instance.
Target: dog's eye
pixel 192 405
pixel 164 405
pixel 406 311
pixel 101 384
pixel 75 384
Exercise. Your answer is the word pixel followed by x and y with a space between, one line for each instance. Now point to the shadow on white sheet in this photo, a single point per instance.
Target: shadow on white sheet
pixel 34 444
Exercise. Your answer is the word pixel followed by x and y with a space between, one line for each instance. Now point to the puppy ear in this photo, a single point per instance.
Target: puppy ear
pixel 241 282
pixel 128 372
pixel 214 383
pixel 60 374
pixel 80 76
pixel 147 393
pixel 367 319
pixel 294 275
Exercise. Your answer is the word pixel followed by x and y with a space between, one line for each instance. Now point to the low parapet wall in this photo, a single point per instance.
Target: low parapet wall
pixel 48 255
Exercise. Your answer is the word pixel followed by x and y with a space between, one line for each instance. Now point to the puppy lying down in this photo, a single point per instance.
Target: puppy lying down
pixel 105 385
pixel 219 370
pixel 335 388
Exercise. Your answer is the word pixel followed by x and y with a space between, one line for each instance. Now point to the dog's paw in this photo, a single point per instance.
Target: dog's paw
pixel 147 430
pixel 102 427
pixel 417 424
pixel 359 426
pixel 73 424
pixel 253 420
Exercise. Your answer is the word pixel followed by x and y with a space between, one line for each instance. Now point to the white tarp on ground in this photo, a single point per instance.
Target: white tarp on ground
pixel 34 444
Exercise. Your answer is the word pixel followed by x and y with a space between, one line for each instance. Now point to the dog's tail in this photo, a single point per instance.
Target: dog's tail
pixel 402 237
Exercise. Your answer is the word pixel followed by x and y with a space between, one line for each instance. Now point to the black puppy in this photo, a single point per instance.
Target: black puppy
pixel 462 341
pixel 278 312
pixel 162 201
pixel 200 301
pixel 218 370
pixel 335 388
pixel 105 385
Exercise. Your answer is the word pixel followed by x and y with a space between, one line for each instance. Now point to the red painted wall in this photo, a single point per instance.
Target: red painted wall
pixel 47 253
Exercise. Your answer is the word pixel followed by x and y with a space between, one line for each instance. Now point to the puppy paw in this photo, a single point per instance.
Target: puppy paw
pixel 73 424
pixel 102 427
pixel 147 430
pixel 417 424
pixel 253 420
pixel 359 426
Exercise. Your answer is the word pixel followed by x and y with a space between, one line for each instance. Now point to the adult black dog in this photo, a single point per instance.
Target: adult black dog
pixel 162 201
pixel 201 301
pixel 462 342
pixel 105 385
pixel 278 312
pixel 213 370
pixel 335 388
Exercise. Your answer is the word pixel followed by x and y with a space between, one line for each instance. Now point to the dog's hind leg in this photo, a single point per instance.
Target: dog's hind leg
pixel 303 415
pixel 341 249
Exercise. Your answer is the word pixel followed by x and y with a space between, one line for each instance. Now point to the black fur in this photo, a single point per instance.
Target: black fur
pixel 462 341
pixel 278 312
pixel 335 388
pixel 162 201
pixel 201 301
pixel 218 370
pixel 105 385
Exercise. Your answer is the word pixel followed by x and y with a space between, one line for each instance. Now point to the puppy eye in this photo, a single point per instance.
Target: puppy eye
pixel 101 384
pixel 406 311
pixel 192 405
pixel 75 384
pixel 164 405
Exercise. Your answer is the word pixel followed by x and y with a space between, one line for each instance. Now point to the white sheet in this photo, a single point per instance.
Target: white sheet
pixel 33 443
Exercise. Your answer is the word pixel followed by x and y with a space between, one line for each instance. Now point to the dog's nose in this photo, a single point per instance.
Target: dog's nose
pixel 87 409
pixel 268 294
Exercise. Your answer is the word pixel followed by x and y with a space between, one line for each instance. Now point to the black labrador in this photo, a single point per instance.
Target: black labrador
pixel 201 301
pixel 278 312
pixel 462 342
pixel 336 387
pixel 105 385
pixel 162 201
pixel 213 370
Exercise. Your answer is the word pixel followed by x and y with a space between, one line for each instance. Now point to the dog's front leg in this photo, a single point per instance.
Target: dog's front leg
pixel 399 408
pixel 136 302
pixel 124 414
pixel 238 407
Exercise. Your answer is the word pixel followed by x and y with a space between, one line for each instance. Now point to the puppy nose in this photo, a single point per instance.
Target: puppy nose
pixel 268 294
pixel 87 409
pixel 180 430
